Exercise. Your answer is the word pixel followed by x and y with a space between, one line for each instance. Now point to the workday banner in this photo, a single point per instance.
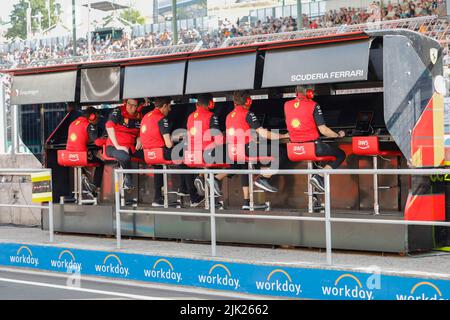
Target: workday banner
pixel 281 281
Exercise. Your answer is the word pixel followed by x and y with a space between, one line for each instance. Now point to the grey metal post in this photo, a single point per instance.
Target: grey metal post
pixel 376 206
pixel 213 213
pixel 117 197
pixel 50 214
pixel 165 193
pixel 327 219
pixel 89 31
pixel 310 189
pixel 299 15
pixel 50 221
pixel 174 22
pixel 80 186
pixel 75 183
pixel 74 28
pixel 122 192
pixel 208 191
pixel 250 187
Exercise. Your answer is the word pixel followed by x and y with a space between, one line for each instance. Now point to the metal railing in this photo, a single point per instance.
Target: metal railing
pixel 49 206
pixel 327 219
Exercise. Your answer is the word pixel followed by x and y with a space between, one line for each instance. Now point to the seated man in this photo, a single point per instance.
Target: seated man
pixel 304 121
pixel 123 141
pixel 204 135
pixel 83 131
pixel 240 124
pixel 156 133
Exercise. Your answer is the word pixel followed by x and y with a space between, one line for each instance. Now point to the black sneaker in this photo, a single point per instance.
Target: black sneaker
pixel 264 184
pixel 198 183
pixel 197 202
pixel 317 182
pixel 246 206
pixel 217 190
pixel 182 193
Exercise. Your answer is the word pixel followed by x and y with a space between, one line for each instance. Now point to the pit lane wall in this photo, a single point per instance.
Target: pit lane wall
pixel 18 190
pixel 215 274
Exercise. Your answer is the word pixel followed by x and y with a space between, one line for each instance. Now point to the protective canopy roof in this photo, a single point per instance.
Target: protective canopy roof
pixel 235 72
pixel 44 88
pixel 155 80
pixel 342 62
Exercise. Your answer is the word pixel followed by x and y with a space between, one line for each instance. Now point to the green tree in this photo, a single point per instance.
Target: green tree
pixel 18 17
pixel 132 16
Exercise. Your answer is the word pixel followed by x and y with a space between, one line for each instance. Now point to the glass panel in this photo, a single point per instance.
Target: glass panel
pixel 294 11
pixel 314 9
pixel 278 12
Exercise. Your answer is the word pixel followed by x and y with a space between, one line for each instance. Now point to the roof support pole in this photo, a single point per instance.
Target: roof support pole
pixel 299 15
pixel 174 23
pixel 74 29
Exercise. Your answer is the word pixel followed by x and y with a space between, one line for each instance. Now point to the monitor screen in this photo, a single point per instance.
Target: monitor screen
pixel 364 120
pixel 100 85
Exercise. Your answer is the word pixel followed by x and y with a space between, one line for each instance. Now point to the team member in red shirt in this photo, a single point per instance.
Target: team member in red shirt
pixel 204 135
pixel 304 121
pixel 156 133
pixel 83 131
pixel 240 124
pixel 123 142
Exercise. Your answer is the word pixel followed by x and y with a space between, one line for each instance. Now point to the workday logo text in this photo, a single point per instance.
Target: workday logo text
pixel 112 266
pixel 424 290
pixel 66 261
pixel 219 275
pixel 163 270
pixel 348 286
pixel 24 256
pixel 279 281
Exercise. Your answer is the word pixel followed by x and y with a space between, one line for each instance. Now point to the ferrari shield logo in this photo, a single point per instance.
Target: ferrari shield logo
pixel 433 55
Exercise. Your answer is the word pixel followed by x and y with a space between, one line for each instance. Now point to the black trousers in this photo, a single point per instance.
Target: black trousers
pixel 98 171
pixel 123 157
pixel 326 149
pixel 186 180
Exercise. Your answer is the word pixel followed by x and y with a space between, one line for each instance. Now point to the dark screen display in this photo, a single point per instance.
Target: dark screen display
pixel 100 85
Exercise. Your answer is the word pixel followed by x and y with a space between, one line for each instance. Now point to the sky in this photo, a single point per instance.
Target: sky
pixel 144 6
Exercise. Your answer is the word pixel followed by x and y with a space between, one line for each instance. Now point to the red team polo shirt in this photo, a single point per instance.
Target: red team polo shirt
pixel 303 116
pixel 203 129
pixel 81 132
pixel 125 126
pixel 239 124
pixel 154 125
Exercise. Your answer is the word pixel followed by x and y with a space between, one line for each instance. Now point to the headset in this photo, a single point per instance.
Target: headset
pixel 92 117
pixel 248 102
pixel 211 104
pixel 309 94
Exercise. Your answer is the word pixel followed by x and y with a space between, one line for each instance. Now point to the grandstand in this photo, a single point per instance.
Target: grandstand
pixel 420 16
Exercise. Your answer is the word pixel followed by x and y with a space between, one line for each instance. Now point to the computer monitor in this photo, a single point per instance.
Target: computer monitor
pixel 363 121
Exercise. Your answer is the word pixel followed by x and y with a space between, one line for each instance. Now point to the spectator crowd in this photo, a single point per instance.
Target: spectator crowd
pixel 374 12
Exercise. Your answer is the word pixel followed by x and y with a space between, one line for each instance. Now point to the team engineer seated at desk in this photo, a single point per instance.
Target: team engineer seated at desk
pixel 156 133
pixel 304 121
pixel 83 131
pixel 123 141
pixel 240 124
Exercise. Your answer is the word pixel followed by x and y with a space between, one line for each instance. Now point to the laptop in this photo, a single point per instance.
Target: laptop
pixel 363 123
